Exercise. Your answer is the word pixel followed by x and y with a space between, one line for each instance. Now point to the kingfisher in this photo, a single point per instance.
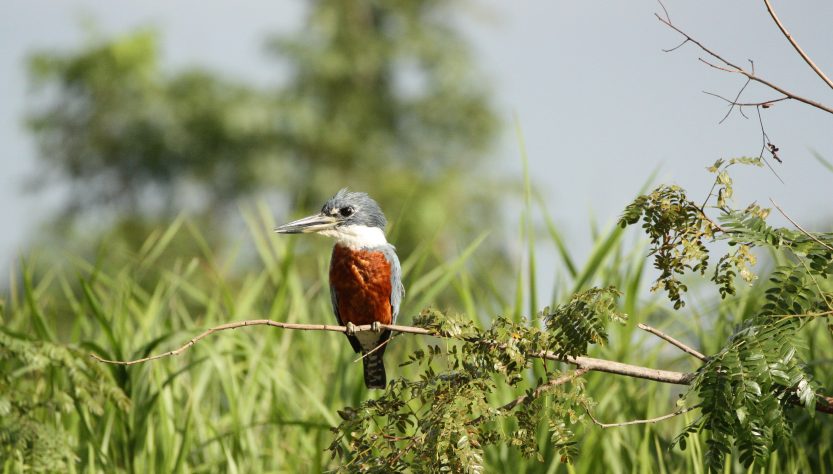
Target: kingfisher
pixel 365 275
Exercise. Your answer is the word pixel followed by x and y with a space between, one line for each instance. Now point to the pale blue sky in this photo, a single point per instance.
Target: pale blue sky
pixel 600 104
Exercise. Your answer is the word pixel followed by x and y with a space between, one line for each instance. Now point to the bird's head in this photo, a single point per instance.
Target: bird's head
pixel 353 219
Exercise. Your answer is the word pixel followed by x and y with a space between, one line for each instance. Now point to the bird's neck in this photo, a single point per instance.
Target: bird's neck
pixel 357 236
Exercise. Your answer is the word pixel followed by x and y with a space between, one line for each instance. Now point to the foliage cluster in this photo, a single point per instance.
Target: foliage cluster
pixel 130 138
pixel 679 229
pixel 747 389
pixel 442 421
pixel 41 380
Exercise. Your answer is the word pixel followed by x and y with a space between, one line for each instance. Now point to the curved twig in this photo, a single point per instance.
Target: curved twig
pixel 639 422
pixel 589 363
pixel 673 342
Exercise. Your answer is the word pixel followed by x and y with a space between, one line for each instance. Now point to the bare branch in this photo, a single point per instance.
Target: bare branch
pixel 263 322
pixel 795 45
pixel 751 76
pixel 672 341
pixel 635 371
pixel 733 68
pixel 764 103
pixel 639 422
pixel 589 363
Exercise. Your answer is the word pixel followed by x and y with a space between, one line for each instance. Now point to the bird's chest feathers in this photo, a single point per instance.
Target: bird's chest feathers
pixel 362 285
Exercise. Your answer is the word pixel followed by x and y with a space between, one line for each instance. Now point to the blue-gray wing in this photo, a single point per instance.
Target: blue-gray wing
pixel 397 290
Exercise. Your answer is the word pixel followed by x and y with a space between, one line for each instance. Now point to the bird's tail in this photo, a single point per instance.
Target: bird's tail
pixel 374 370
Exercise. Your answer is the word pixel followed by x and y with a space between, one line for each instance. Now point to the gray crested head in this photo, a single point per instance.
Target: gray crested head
pixel 353 219
pixel 354 209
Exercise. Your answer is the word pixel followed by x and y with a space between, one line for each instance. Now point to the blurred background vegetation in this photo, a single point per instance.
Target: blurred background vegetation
pixel 167 169
pixel 380 96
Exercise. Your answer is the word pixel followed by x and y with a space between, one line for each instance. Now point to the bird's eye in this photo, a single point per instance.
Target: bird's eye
pixel 346 211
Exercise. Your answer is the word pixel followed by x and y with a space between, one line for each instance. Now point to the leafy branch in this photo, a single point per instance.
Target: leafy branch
pixel 746 390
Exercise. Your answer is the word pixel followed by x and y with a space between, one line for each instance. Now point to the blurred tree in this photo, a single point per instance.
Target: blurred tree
pixel 129 138
pixel 380 98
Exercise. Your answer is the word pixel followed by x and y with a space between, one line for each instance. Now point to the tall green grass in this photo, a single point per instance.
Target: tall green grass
pixel 263 400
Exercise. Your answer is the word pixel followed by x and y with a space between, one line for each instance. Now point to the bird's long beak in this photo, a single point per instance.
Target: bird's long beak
pixel 307 225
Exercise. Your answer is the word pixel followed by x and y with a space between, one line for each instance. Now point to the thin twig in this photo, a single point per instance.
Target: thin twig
pixel 263 322
pixel 764 142
pixel 796 46
pixel 537 392
pixel 735 102
pixel 764 136
pixel 720 68
pixel 706 201
pixel 401 452
pixel 669 50
pixel 672 341
pixel 667 16
pixel 804 315
pixel 710 220
pixel 758 106
pixel 545 386
pixel 639 422
pixel 374 349
pixel 764 103
pixel 797 226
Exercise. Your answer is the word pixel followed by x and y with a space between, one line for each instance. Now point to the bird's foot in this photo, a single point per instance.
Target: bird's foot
pixel 375 327
pixel 351 329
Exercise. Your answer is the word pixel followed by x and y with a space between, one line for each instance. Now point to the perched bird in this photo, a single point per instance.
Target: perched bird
pixel 365 276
